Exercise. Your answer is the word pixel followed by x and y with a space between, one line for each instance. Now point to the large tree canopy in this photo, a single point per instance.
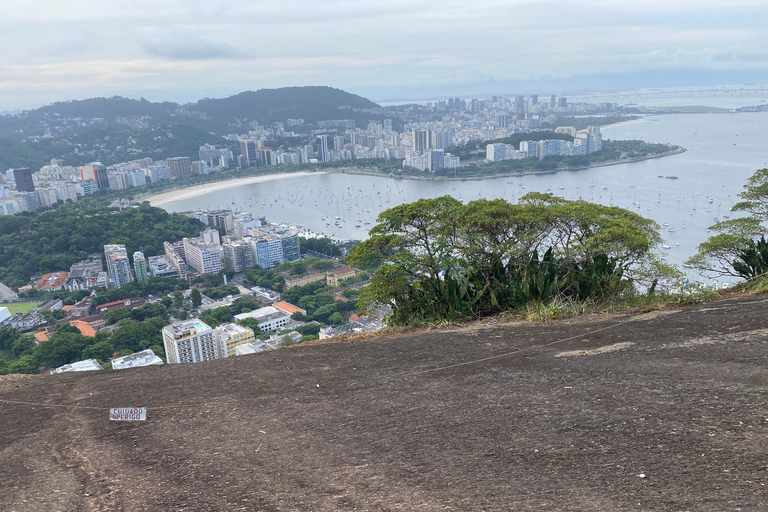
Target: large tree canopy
pixel 443 260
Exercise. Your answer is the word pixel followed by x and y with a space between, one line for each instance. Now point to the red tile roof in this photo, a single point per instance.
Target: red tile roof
pixel 84 328
pixel 289 308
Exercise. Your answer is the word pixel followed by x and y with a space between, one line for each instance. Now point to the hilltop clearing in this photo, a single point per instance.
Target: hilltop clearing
pixel 662 411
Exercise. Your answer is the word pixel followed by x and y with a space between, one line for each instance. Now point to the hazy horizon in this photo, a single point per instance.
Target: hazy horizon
pixel 184 51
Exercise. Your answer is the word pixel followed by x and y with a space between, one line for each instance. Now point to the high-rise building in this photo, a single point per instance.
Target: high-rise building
pixel 562 102
pixel 496 152
pixel 338 142
pixel 249 150
pixel 324 155
pixel 176 259
pixel 238 255
pixel 190 341
pixel 441 140
pixel 140 267
pixel 552 102
pixel 204 254
pixel 266 156
pixel 23 178
pixel 534 99
pixel 420 140
pixel 118 266
pixel 180 166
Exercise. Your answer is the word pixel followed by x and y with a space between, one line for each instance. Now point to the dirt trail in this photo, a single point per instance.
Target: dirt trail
pixel 565 416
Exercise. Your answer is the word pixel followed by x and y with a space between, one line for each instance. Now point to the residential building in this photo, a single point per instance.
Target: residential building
pixel 176 259
pixel 204 254
pixel 496 152
pixel 24 181
pixel 273 245
pixel 118 266
pixel 51 282
pixel 324 155
pixel 420 140
pixel 189 341
pixel 140 267
pixel 237 255
pixel 249 150
pixel 180 166
pixel 161 266
pixel 230 336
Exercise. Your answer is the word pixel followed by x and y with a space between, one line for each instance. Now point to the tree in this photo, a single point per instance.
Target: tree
pixel 336 319
pixel 726 253
pixel 102 351
pixel 252 324
pixel 178 299
pixel 196 297
pixel 442 260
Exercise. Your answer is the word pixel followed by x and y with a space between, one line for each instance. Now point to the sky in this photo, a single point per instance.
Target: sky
pixel 184 50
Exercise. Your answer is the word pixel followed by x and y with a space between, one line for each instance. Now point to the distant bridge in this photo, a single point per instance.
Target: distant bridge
pixel 693 93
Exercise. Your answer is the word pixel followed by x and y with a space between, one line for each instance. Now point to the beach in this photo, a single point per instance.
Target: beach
pixel 622 123
pixel 199 190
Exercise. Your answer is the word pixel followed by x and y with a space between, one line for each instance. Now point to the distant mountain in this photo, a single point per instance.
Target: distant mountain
pixel 269 105
pixel 220 116
pixel 573 85
pixel 118 129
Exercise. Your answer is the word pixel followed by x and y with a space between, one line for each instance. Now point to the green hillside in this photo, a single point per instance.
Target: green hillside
pixel 269 105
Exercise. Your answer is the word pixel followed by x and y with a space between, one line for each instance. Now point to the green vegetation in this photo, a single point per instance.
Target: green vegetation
pixel 220 292
pixel 583 122
pixel 269 105
pixel 739 248
pixel 443 261
pixel 320 245
pixel 266 279
pixel 20 307
pixel 47 241
pixel 138 329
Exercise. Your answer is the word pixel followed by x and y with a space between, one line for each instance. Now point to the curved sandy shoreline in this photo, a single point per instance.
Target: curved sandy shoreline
pixel 202 189
pixel 199 190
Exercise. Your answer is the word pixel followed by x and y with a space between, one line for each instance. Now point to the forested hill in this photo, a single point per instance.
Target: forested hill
pixel 211 115
pixel 269 105
pixel 47 241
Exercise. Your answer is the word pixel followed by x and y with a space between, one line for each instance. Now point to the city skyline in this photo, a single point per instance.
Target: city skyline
pixel 180 51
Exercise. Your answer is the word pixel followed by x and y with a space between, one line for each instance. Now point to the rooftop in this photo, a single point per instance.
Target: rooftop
pixel 266 313
pixel 289 308
pixel 87 365
pixel 143 358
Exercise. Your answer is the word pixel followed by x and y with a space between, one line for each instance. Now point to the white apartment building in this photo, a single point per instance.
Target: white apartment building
pixel 204 254
pixel 190 341
pixel 270 318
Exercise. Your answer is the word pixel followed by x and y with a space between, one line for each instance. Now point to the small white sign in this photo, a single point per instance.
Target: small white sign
pixel 128 414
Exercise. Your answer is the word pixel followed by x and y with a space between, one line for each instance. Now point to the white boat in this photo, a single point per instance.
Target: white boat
pixel 665 246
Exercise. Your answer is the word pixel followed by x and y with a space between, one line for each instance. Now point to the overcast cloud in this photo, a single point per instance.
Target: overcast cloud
pixel 184 50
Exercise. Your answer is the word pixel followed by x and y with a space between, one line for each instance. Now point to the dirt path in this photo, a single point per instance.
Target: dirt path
pixel 659 412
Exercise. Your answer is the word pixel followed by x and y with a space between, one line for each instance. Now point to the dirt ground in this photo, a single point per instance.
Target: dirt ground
pixel 663 411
